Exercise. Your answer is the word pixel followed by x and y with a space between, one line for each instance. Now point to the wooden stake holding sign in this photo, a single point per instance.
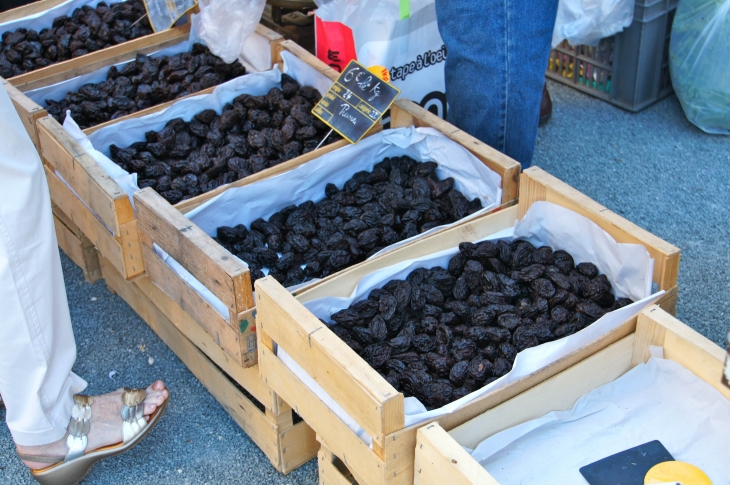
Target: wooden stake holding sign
pixel 355 102
pixel 164 13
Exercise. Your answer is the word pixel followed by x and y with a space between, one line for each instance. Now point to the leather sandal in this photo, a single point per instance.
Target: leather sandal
pixel 72 468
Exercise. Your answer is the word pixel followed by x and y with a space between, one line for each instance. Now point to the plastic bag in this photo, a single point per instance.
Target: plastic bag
pixel 586 22
pixel 698 62
pixel 225 25
pixel 400 36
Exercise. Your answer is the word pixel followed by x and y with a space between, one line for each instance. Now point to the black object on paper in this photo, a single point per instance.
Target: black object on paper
pixel 628 467
pixel 355 102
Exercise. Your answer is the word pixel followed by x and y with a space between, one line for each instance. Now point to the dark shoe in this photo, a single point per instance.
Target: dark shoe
pixel 546 106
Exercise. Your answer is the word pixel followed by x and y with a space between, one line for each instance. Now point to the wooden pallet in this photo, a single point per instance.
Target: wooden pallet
pixel 287 444
pixel 440 457
pixel 360 390
pixel 77 247
pixel 227 277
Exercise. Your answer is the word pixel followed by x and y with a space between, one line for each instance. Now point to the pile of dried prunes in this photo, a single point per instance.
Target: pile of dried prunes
pixel 442 333
pixel 142 83
pixel 251 134
pixel 398 199
pixel 87 30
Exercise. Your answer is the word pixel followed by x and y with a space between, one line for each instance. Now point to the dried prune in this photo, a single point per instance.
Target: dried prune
pixel 135 86
pixel 479 368
pixel 376 355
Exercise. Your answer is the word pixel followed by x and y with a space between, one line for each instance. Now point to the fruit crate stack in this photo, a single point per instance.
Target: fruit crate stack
pixel 629 69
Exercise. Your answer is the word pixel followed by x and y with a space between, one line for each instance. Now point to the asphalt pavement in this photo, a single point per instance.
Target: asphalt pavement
pixel 654 168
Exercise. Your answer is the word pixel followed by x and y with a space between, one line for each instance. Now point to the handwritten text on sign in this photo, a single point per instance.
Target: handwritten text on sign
pixel 355 102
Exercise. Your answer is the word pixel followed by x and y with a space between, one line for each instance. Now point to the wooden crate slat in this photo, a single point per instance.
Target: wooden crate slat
pixel 247 377
pixel 686 346
pixel 298 445
pixel 70 205
pixel 332 471
pixel 359 389
pixel 27 10
pixel 557 393
pixel 344 283
pixel 538 185
pixel 224 275
pixel 224 334
pixel 63 71
pixel 406 113
pixel 440 460
pixel 103 195
pixel 79 249
pixel 278 375
pixel 28 111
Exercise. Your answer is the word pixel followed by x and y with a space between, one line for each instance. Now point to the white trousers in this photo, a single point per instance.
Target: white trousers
pixel 37 347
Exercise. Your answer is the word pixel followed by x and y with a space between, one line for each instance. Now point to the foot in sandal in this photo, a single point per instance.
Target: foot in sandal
pixel 100 426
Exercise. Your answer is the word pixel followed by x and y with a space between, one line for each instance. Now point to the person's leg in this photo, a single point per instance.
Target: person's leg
pixel 39 350
pixel 495 69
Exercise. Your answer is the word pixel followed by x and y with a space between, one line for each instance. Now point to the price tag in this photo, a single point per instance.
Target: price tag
pixel 355 102
pixel 164 13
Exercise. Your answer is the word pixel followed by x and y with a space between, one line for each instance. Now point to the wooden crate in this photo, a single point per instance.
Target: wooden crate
pixel 227 277
pixel 108 202
pixel 287 444
pixel 373 403
pixel 30 111
pixel 77 247
pixel 440 457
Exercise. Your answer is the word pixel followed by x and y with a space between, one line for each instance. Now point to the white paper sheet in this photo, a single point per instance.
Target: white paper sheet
pixel 659 400
pixel 627 266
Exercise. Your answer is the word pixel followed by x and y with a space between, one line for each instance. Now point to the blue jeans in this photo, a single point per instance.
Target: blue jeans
pixel 498 51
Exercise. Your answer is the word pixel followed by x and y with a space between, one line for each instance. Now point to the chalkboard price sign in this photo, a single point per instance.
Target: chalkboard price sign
pixel 355 102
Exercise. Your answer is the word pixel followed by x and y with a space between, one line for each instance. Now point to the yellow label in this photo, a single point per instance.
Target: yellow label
pixel 677 471
pixel 380 71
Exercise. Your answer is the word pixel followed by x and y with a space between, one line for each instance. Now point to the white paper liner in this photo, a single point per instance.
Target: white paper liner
pixel 627 266
pixel 659 400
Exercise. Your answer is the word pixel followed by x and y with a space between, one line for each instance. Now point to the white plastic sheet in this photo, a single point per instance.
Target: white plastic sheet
pixel 226 24
pixel 659 400
pixel 627 267
pixel 586 22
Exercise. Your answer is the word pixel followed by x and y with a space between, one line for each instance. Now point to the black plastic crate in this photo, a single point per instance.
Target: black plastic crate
pixel 629 69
